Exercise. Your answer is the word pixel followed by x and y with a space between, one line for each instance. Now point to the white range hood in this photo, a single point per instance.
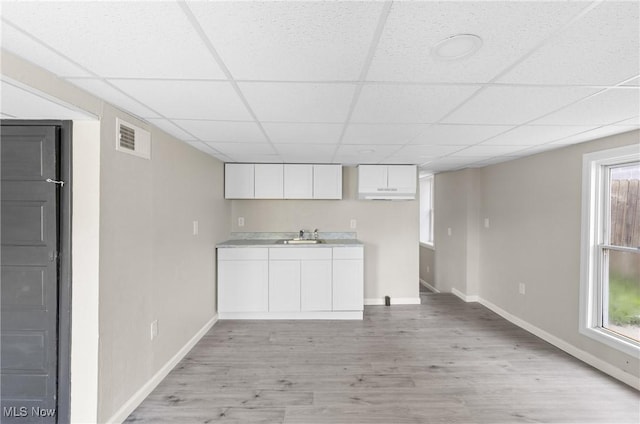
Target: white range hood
pixel 387 182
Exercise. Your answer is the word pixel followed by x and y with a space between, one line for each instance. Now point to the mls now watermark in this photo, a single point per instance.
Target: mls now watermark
pixel 24 412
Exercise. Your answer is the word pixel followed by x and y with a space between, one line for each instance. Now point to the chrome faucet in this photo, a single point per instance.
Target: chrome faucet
pixel 301 234
pixel 315 234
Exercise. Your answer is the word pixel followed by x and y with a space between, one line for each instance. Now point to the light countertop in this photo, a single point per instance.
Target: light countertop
pixel 278 243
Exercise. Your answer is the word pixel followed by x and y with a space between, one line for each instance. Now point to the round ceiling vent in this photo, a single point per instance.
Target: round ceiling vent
pixel 457 47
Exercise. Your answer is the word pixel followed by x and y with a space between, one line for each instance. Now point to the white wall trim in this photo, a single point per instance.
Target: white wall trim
pixel 372 301
pixel 429 286
pixel 137 398
pixel 465 297
pixel 580 354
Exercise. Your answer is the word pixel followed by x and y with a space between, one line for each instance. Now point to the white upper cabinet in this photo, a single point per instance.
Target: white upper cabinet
pixel 269 180
pixel 387 182
pixel 239 181
pixel 327 181
pixel 298 181
pixel 278 181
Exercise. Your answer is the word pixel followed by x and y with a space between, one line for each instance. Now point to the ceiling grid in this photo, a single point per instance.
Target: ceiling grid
pixel 346 82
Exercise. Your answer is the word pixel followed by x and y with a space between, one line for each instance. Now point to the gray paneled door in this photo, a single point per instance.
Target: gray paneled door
pixel 29 276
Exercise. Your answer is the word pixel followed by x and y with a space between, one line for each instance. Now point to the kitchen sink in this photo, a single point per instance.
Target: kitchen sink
pixel 301 241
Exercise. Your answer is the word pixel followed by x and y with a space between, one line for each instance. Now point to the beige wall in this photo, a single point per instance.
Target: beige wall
pixel 455 208
pixel 152 267
pixel 427 264
pixel 137 248
pixel 534 210
pixel 389 230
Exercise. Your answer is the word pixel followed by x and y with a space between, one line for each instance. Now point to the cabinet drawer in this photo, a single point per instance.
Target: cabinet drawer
pixel 242 253
pixel 302 253
pixel 348 253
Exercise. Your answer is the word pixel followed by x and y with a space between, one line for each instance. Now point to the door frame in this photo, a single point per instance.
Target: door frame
pixel 64 130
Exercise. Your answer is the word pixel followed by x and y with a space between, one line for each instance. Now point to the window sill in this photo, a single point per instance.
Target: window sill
pixel 612 340
pixel 428 245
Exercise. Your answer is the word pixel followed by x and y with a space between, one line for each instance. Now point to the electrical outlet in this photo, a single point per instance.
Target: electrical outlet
pixel 353 223
pixel 240 221
pixel 154 329
pixel 428 270
pixel 486 223
pixel 449 232
pixel 521 288
pixel 195 228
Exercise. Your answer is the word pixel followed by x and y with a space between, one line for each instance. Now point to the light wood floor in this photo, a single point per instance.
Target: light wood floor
pixel 445 361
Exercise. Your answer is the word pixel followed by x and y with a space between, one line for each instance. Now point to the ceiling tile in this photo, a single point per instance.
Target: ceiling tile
pixel 303 158
pixel 223 131
pixel 604 108
pixel 257 158
pixel 187 99
pixel 534 135
pixel 594 134
pixel 381 133
pixel 236 150
pixel 515 105
pixel 408 103
pixel 320 41
pixel 101 89
pixel 170 128
pixel 119 39
pixel 208 150
pixel 634 82
pixel 309 150
pixel 427 151
pixel 303 132
pixel 488 151
pixel 26 104
pixel 298 102
pixel 603 47
pixel 363 150
pixel 19 43
pixel 508 29
pixel 633 122
pixel 459 135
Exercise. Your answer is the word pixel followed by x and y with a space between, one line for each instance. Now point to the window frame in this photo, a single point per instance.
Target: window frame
pixel 595 215
pixel 427 244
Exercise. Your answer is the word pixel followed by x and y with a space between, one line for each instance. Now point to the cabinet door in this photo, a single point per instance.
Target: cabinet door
pixel 327 181
pixel 371 178
pixel 348 285
pixel 238 181
pixel 315 286
pixel 298 181
pixel 243 286
pixel 269 180
pixel 284 286
pixel 403 177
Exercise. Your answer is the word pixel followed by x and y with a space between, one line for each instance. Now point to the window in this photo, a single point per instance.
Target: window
pixel 610 280
pixel 426 210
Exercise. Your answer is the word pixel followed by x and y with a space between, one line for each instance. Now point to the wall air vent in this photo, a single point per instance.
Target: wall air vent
pixel 132 139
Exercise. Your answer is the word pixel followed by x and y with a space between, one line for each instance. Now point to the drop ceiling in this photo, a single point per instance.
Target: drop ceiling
pixel 347 82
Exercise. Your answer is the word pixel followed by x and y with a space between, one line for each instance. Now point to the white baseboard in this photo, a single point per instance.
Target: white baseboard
pixel 464 297
pixel 580 354
pixel 137 398
pixel 429 286
pixel 394 301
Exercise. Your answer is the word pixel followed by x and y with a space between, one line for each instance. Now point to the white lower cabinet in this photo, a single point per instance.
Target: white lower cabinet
pixel 315 285
pixel 290 282
pixel 348 278
pixel 243 284
pixel 284 286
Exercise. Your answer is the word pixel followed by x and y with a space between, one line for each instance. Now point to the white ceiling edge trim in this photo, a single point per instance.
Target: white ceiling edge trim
pixel 47 97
